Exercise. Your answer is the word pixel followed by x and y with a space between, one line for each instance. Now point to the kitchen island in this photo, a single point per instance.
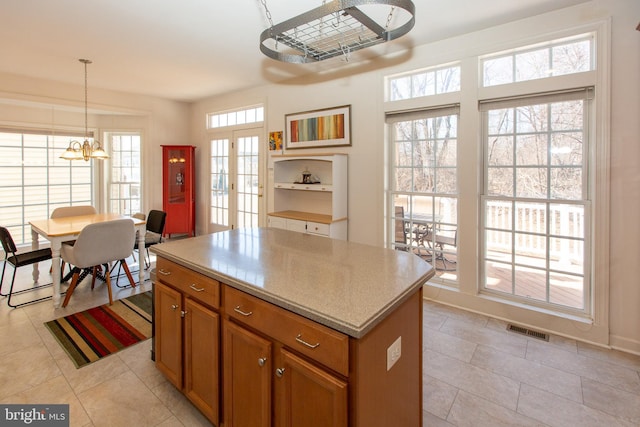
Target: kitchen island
pixel 266 326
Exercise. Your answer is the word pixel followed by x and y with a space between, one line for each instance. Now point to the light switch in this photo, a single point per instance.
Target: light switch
pixel 394 352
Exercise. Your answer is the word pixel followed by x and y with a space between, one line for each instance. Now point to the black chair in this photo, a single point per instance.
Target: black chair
pixel 20 260
pixel 153 236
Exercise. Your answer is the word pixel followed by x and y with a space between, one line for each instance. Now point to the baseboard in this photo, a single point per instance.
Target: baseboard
pixel 625 344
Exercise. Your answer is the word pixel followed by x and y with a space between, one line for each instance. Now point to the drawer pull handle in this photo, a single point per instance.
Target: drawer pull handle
pixel 279 372
pixel 244 313
pixel 262 361
pixel 164 272
pixel 301 341
pixel 195 288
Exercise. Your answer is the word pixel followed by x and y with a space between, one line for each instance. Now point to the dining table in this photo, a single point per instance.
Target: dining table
pixel 59 230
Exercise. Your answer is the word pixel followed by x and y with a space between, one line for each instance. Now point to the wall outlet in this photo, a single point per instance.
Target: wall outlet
pixel 394 352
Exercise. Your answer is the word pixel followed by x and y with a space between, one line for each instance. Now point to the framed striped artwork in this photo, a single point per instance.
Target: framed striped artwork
pixel 329 127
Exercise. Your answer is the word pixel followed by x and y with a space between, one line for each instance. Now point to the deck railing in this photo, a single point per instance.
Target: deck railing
pixel 566 228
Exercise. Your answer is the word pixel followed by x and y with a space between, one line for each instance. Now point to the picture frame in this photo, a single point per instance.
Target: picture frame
pixel 275 141
pixel 328 127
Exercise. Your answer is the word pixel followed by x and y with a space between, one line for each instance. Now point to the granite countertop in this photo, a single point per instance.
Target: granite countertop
pixel 346 286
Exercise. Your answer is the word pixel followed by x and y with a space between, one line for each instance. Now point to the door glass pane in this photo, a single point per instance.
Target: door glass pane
pixel 219 209
pixel 247 167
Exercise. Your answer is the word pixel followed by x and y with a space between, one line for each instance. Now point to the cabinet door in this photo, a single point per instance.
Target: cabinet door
pixel 277 222
pixel 296 225
pixel 309 396
pixel 201 336
pixel 168 329
pixel 247 378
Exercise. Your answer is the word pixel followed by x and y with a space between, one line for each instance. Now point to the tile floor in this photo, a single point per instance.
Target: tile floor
pixel 475 374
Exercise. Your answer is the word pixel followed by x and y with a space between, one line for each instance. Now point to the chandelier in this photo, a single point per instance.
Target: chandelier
pixel 333 29
pixel 85 150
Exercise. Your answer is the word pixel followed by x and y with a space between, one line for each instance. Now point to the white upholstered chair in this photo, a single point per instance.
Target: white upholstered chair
pixel 100 244
pixel 65 211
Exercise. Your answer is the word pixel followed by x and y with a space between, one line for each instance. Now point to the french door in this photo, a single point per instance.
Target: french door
pixel 236 189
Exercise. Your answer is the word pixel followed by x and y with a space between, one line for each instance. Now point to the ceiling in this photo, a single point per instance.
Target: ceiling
pixel 191 49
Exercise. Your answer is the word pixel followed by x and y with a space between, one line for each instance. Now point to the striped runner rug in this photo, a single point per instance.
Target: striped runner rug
pixel 98 332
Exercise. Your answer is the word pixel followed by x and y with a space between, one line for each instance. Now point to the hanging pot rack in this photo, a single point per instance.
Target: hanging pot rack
pixel 333 29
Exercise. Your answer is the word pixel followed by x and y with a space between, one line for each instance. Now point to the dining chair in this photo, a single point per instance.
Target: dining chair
pixel 142 216
pixel 100 244
pixel 66 211
pixel 18 260
pixel 153 235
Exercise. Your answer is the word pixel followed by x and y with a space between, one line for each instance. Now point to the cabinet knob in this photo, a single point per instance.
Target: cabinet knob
pixel 279 372
pixel 174 307
pixel 262 361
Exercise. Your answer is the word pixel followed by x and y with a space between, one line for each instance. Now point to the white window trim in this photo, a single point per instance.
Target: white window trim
pixel 597 328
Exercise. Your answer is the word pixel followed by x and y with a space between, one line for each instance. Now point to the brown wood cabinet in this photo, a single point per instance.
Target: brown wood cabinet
pixel 266 383
pixel 187 334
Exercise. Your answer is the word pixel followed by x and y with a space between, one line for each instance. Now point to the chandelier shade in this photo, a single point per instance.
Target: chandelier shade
pixel 85 150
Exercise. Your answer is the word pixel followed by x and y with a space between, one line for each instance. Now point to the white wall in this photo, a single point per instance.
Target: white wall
pixel 619 324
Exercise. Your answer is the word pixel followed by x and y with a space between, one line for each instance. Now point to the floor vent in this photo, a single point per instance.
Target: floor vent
pixel 528 332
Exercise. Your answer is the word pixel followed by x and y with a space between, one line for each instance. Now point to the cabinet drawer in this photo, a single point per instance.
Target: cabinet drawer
pixel 196 285
pixel 325 345
pixel 317 228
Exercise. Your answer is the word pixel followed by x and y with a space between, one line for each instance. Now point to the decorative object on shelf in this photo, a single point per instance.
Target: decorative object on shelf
pixel 329 127
pixel 275 141
pixel 86 150
pixel 336 28
pixel 307 178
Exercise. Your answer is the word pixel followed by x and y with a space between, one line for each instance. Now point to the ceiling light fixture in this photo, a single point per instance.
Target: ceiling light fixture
pixel 333 29
pixel 86 150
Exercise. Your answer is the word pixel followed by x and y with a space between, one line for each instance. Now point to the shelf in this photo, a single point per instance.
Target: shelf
pixel 307 216
pixel 310 208
pixel 303 187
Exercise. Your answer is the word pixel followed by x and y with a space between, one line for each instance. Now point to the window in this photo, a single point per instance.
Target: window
pixel 423 186
pixel 559 57
pixel 535 200
pixel 34 180
pixel 124 180
pixel 533 162
pixel 433 81
pixel 236 117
